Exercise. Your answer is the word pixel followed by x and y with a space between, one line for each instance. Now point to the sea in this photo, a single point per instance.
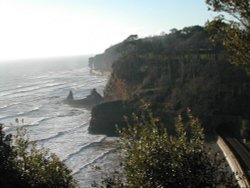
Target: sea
pixel 31 96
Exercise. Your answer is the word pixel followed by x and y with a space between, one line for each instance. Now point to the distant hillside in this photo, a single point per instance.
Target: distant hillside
pixel 103 62
pixel 175 71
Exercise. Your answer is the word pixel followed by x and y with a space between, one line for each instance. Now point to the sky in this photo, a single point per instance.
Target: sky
pixel 50 28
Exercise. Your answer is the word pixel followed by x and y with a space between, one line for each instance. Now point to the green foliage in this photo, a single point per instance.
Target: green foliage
pixel 151 157
pixel 31 167
pixel 234 34
pixel 8 172
pixel 112 180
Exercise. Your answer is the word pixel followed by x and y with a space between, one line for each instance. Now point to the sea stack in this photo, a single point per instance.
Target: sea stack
pixel 91 100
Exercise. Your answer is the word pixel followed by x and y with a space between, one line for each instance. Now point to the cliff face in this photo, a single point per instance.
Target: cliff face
pixel 107 116
pixel 180 70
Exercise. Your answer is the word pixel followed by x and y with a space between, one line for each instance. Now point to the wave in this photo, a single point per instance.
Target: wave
pixel 37 122
pixel 28 112
pixel 35 88
pixel 93 161
pixel 6 129
pixel 8 105
pixel 58 134
pixel 19 87
pixel 34 109
pixel 84 124
pixel 52 137
pixel 67 136
pixel 83 148
pixel 8 116
pixel 21 123
pixel 5 106
pixel 19 114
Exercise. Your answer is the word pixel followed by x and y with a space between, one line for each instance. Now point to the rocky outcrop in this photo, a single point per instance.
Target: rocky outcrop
pixel 70 97
pixel 106 116
pixel 91 100
pixel 174 72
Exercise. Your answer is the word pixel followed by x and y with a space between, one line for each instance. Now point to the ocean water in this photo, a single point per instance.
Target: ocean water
pixel 34 92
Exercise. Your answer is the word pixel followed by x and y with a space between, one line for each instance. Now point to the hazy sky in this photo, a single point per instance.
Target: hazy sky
pixel 45 28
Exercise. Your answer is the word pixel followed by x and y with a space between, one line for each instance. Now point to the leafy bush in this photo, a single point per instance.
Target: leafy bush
pixel 233 32
pixel 154 158
pixel 23 165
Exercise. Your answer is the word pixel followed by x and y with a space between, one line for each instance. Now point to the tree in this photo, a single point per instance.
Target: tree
pixel 154 158
pixel 173 31
pixel 23 165
pixel 234 34
pixel 8 172
pixel 131 38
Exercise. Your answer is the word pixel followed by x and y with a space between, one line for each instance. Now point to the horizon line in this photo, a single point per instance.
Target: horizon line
pixel 44 58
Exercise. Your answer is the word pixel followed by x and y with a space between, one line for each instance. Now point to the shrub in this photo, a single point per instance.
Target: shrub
pixel 154 158
pixel 23 165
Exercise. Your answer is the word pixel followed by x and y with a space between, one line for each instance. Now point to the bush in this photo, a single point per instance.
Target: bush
pixel 154 158
pixel 23 165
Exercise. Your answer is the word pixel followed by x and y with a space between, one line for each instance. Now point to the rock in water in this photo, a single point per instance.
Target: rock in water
pixel 91 100
pixel 70 96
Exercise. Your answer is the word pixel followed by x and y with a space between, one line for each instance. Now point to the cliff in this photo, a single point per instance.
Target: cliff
pixel 106 117
pixel 179 70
